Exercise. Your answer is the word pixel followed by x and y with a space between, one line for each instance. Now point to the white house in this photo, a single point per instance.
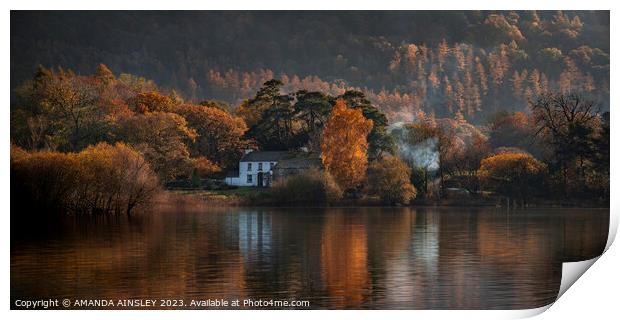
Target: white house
pixel 256 168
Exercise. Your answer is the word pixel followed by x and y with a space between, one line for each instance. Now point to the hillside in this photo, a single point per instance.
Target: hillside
pixel 453 64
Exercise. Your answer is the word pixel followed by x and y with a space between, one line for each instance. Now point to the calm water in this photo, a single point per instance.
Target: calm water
pixel 377 258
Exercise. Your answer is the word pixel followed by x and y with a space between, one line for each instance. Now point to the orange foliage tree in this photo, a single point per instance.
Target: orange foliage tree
pixel 344 145
pixel 204 167
pixel 151 102
pixel 512 174
pixel 219 133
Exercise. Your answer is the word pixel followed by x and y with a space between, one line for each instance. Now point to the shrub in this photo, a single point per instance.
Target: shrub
pixel 101 178
pixel 114 178
pixel 310 188
pixel 43 180
pixel 388 178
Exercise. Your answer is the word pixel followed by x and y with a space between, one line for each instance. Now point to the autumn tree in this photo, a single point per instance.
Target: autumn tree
pixel 162 138
pixel 499 29
pixel 129 85
pixel 514 175
pixel 203 168
pixel 511 130
pixel 551 60
pixel 151 102
pixel 105 75
pixel 379 140
pixel 344 145
pixel 220 135
pixel 499 64
pixel 58 109
pixel 389 178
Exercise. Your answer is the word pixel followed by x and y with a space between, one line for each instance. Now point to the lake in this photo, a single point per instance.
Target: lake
pixel 334 258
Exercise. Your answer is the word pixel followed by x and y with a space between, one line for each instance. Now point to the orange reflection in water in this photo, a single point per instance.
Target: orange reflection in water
pixel 344 258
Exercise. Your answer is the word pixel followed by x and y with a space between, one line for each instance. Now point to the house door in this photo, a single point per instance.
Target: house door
pixel 260 179
pixel 268 180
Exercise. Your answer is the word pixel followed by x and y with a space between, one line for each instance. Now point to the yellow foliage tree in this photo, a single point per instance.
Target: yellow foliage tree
pixel 344 145
pixel 512 174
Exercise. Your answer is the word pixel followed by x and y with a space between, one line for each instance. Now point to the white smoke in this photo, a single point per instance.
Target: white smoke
pixel 423 155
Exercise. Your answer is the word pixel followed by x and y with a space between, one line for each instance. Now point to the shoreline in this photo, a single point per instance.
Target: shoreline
pixel 243 200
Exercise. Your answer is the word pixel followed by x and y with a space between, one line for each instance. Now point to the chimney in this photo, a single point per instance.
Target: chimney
pixel 248 151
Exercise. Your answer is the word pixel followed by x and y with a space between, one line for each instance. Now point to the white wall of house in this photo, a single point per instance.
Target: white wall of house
pixel 232 181
pixel 248 173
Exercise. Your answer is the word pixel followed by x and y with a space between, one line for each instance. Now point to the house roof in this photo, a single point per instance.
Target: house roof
pixel 299 163
pixel 265 156
pixel 232 174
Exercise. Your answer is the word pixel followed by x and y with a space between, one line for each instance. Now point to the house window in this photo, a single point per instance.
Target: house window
pixel 260 166
pixel 250 166
pixel 249 178
pixel 271 165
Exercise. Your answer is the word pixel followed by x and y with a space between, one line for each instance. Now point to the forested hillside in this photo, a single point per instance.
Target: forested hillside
pixel 461 65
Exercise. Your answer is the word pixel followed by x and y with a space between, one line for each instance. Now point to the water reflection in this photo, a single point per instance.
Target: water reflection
pixel 344 259
pixel 399 258
pixel 254 234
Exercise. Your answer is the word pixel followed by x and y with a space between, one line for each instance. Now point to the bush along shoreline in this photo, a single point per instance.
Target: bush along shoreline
pixel 102 178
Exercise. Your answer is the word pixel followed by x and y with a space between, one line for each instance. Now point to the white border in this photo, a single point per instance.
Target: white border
pixel 594 295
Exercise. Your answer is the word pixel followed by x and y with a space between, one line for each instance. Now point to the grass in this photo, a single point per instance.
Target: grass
pixel 232 196
pixel 241 191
